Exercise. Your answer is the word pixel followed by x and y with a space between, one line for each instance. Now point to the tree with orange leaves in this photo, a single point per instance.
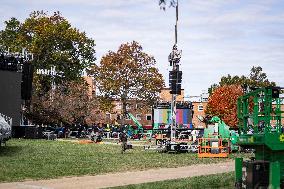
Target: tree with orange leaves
pixel 223 103
pixel 128 74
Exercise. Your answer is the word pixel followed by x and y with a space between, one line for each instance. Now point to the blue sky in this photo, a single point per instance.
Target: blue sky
pixel 217 37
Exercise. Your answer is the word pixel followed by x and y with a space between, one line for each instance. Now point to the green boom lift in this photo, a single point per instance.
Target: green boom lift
pixel 259 115
pixel 140 127
pixel 222 131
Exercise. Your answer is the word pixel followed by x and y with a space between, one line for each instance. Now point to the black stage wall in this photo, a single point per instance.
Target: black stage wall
pixel 10 95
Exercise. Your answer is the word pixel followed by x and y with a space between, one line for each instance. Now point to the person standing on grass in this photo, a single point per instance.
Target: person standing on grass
pixel 123 140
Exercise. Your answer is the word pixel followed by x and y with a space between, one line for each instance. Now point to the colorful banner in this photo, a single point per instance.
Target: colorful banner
pixel 163 116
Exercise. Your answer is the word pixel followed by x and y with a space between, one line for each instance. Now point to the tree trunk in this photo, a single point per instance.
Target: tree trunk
pixel 124 103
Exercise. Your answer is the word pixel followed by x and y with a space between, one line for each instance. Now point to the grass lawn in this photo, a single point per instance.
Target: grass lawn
pixel 220 181
pixel 41 159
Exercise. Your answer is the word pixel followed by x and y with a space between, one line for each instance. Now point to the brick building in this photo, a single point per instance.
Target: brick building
pixel 145 116
pixel 199 107
pixel 199 113
pixel 166 96
pixel 90 81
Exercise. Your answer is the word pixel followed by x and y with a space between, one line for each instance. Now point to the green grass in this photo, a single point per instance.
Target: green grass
pixel 220 181
pixel 41 159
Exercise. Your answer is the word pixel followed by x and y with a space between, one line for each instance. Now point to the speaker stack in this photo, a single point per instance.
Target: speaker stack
pixel 27 79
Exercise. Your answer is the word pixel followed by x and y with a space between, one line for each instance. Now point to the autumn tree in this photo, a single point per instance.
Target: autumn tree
pixel 257 78
pixel 128 74
pixel 223 103
pixel 74 102
pixel 68 103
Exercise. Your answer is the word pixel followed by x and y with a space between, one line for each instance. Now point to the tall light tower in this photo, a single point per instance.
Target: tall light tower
pixel 175 77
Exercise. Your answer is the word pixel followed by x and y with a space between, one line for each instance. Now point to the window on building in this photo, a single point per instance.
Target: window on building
pixel 93 85
pixel 108 116
pixel 200 108
pixel 138 116
pixel 149 117
pixel 204 99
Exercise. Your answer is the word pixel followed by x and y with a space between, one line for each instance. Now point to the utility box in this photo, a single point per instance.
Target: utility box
pixel 255 174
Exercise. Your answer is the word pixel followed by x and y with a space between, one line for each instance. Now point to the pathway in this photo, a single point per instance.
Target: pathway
pixel 120 179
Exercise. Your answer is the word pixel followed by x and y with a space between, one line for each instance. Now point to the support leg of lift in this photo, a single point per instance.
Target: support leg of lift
pixel 238 172
pixel 274 175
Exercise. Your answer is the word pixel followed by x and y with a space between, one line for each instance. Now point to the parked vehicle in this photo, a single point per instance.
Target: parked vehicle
pixel 5 130
pixel 49 133
pixel 193 147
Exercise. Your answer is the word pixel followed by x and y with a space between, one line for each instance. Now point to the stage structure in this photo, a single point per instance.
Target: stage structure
pixel 16 75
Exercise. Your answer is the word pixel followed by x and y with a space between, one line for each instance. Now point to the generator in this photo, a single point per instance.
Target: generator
pixel 255 174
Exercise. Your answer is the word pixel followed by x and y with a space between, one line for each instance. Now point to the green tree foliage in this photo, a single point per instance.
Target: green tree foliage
pixel 212 88
pixel 53 42
pixel 9 38
pixel 257 78
pixel 128 74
